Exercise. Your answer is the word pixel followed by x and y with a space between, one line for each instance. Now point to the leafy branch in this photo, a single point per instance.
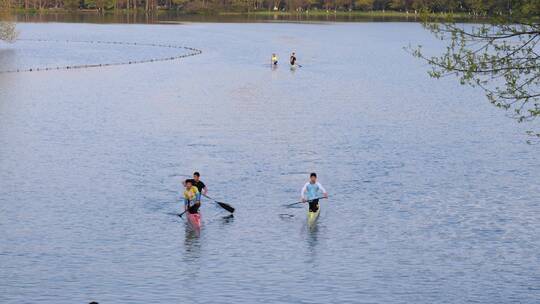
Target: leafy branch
pixel 501 57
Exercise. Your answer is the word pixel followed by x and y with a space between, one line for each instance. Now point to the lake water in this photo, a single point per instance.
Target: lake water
pixel 434 193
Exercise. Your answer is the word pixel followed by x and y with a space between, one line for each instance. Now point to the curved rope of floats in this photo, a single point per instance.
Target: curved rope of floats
pixel 192 52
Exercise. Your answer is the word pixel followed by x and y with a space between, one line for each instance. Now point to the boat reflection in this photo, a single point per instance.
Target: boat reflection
pixel 313 230
pixel 313 234
pixel 312 240
pixel 192 243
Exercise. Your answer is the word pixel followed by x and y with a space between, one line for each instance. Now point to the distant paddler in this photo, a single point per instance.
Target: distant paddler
pixel 292 59
pixel 312 191
pixel 274 59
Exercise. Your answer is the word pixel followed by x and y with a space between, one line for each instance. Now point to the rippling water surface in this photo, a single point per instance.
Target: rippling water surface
pixel 434 193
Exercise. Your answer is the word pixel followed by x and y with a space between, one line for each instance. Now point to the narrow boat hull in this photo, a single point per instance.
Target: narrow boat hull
pixel 194 220
pixel 313 216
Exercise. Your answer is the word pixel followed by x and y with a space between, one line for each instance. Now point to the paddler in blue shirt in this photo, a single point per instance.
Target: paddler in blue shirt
pixel 312 191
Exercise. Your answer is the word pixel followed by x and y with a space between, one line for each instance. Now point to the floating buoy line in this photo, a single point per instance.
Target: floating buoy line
pixel 191 52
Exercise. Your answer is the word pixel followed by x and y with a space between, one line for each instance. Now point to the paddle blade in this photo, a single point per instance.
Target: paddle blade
pixel 226 207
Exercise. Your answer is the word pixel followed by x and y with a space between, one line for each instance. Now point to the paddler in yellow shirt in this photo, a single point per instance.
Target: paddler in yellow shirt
pixel 192 197
pixel 274 59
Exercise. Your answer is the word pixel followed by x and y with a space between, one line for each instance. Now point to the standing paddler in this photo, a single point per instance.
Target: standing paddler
pixel 192 197
pixel 274 59
pixel 312 191
pixel 198 183
pixel 292 60
pixel 201 188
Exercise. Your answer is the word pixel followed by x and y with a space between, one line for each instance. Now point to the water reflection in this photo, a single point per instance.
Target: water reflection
pixel 68 150
pixel 7 56
pixel 312 240
pixel 178 17
pixel 226 220
pixel 192 243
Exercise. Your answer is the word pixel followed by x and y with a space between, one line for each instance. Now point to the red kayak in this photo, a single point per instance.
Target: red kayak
pixel 194 220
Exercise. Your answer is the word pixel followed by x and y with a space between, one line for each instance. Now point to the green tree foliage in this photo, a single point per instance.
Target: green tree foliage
pixel 474 7
pixel 8 32
pixel 398 5
pixel 98 4
pixel 180 3
pixel 501 57
pixel 364 5
pixel 71 4
pixel 381 4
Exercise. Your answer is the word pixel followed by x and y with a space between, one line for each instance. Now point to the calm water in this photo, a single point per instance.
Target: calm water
pixel 434 193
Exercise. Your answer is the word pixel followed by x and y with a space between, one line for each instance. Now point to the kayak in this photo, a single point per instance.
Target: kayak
pixel 194 220
pixel 313 216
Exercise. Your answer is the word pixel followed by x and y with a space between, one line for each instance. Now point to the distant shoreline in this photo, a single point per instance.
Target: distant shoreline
pixel 258 13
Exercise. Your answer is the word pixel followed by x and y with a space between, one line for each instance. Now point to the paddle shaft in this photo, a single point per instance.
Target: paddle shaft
pixel 189 204
pixel 309 201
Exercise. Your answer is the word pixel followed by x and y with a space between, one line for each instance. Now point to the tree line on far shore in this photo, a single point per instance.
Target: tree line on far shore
pixel 472 7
